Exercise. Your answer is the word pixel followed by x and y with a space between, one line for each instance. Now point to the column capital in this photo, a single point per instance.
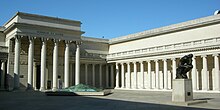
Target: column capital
pixel 128 63
pixel 56 40
pixel 203 55
pixel 44 39
pixel 134 62
pixel 148 61
pixel 164 59
pixel 141 61
pixel 173 59
pixel 31 38
pixel 156 60
pixel 78 42
pixel 18 36
pixel 215 54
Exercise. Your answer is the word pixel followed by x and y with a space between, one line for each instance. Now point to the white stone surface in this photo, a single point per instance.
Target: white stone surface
pixel 182 90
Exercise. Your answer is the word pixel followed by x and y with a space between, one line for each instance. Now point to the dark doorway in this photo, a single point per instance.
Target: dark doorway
pixel 38 77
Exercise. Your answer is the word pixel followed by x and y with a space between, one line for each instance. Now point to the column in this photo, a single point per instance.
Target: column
pixel 17 63
pixel 122 75
pixel 43 64
pixel 30 63
pixel 100 75
pixel 107 76
pixel 55 64
pixel 135 75
pixel 117 75
pixel 204 73
pixel 174 67
pixel 3 73
pixel 86 74
pixel 149 74
pixel 129 75
pixel 93 74
pixel 77 64
pixel 66 67
pixel 157 74
pixel 194 73
pixel 165 74
pixel 112 76
pixel 216 75
pixel 142 74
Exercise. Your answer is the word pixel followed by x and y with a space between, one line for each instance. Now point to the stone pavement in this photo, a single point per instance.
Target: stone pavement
pixel 119 100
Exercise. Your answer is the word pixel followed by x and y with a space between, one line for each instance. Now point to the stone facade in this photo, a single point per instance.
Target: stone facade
pixel 41 51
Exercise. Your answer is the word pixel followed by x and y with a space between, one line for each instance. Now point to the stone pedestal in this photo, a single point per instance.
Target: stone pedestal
pixel 182 90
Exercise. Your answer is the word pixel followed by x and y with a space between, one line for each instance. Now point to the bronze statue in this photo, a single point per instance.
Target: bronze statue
pixel 184 66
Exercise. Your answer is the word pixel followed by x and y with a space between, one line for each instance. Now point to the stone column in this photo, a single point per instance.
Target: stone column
pixel 112 76
pixel 157 74
pixel 194 73
pixel 86 74
pixel 66 67
pixel 100 75
pixel 17 62
pixel 30 63
pixel 149 74
pixel 129 75
pixel 3 73
pixel 55 64
pixel 107 76
pixel 122 75
pixel 93 74
pixel 135 75
pixel 165 74
pixel 142 74
pixel 174 67
pixel 43 64
pixel 216 75
pixel 117 75
pixel 77 64
pixel 204 73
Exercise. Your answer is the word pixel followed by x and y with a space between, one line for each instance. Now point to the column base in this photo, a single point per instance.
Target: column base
pixel 42 89
pixel 54 89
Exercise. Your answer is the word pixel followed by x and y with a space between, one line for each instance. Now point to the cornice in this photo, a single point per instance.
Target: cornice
pixel 185 47
pixel 91 39
pixel 169 29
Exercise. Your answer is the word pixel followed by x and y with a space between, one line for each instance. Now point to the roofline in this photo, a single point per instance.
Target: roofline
pixel 168 29
pixel 36 15
pixel 95 39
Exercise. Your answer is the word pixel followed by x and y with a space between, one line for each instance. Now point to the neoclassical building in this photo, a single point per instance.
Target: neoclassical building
pixel 39 52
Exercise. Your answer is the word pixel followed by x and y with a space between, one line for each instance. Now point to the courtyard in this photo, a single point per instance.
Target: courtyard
pixel 119 100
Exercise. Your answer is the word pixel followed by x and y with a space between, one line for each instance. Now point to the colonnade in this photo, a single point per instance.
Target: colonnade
pixel 109 74
pixel 161 77
pixel 43 62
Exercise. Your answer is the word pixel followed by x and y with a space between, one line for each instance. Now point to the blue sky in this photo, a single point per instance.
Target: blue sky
pixel 114 18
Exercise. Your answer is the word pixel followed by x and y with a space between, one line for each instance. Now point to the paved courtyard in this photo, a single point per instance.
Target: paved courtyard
pixel 119 100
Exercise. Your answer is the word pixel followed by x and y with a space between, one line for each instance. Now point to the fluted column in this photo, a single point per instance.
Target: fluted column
pixel 86 73
pixel 100 75
pixel 3 73
pixel 112 76
pixel 93 74
pixel 142 74
pixel 135 75
pixel 174 67
pixel 55 64
pixel 194 73
pixel 129 75
pixel 30 63
pixel 149 74
pixel 43 64
pixel 66 67
pixel 117 75
pixel 157 74
pixel 217 75
pixel 17 62
pixel 122 75
pixel 107 76
pixel 165 74
pixel 204 73
pixel 77 64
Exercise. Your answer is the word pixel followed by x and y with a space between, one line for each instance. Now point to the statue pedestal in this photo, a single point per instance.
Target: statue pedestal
pixel 182 93
pixel 182 90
